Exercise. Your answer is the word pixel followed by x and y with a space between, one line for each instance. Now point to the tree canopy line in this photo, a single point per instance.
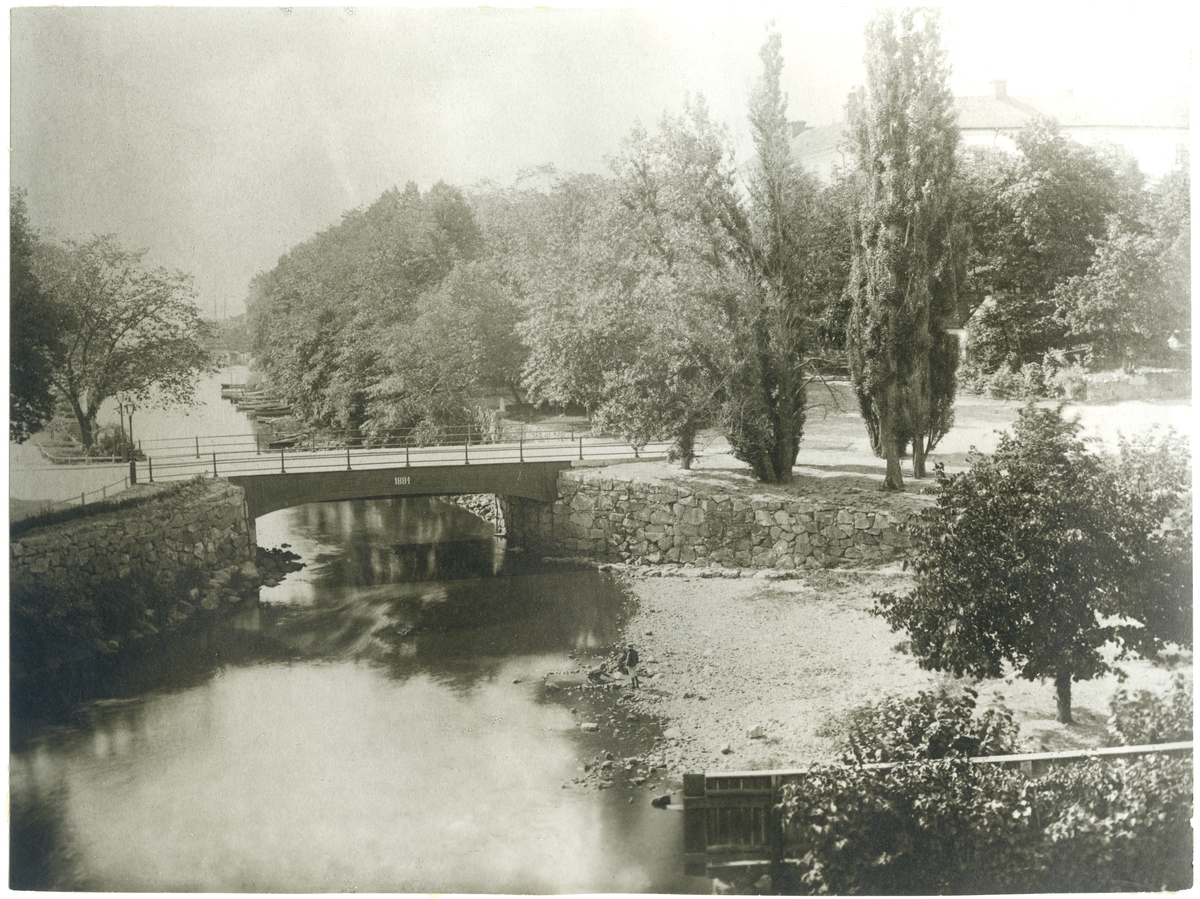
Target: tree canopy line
pixel 682 290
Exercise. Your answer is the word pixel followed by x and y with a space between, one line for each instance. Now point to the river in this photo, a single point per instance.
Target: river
pixel 379 723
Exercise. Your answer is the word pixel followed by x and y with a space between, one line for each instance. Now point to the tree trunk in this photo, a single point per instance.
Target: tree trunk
pixel 889 437
pixel 685 446
pixel 87 423
pixel 918 446
pixel 1062 690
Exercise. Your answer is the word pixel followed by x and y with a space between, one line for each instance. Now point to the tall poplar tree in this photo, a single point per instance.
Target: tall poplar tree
pixel 905 135
pixel 780 255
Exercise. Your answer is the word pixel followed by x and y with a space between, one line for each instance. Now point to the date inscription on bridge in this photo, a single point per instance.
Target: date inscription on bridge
pixel 403 481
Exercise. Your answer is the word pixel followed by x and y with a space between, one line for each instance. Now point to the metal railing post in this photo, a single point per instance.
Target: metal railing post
pixel 132 471
pixel 347 457
pixel 282 470
pixel 522 447
pixel 150 464
pixel 407 463
pixel 83 499
pixel 214 465
pixel 197 446
pixel 580 447
pixel 466 454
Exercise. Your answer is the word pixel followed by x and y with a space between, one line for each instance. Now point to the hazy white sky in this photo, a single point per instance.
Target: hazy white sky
pixel 220 137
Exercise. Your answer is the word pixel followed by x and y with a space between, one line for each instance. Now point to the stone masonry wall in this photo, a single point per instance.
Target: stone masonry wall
pixel 650 523
pixel 204 527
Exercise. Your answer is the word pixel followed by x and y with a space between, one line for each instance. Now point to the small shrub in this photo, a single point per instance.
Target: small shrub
pixel 1033 380
pixel 1003 384
pixel 1067 381
pixel 926 726
pixel 1147 717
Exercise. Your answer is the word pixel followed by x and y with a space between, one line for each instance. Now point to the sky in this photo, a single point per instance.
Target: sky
pixel 219 137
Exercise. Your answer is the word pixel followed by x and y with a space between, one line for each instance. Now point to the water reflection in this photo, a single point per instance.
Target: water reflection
pixel 374 726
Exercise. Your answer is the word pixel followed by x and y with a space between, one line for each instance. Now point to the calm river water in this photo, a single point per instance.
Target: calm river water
pixel 378 724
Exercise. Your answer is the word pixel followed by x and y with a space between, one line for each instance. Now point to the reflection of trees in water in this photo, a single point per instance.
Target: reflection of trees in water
pixel 100 734
pixel 170 662
pixel 466 638
pixel 393 541
pixel 36 832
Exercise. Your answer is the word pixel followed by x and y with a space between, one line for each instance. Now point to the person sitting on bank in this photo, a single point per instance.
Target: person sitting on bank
pixel 629 662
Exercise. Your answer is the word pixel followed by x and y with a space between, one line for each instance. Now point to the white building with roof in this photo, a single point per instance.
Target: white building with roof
pixel 1153 130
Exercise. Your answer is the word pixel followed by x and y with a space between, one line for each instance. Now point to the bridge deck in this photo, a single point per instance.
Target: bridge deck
pixel 278 479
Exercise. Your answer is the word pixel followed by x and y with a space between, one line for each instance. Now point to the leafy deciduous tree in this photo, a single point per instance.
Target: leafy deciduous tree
pixel 1042 554
pixel 1036 217
pixel 35 325
pixel 129 328
pixel 328 319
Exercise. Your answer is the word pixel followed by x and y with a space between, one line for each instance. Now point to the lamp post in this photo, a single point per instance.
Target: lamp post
pixel 128 408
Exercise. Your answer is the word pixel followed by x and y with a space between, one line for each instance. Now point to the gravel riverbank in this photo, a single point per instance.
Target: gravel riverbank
pixel 747 672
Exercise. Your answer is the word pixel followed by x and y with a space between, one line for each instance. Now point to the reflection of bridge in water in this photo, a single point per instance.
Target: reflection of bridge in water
pixel 276 479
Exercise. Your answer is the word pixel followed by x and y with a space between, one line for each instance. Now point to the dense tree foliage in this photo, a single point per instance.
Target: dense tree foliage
pixel 666 298
pixel 1137 290
pixel 128 329
pixel 781 262
pixel 35 331
pixel 1036 217
pixel 1043 553
pixel 903 278
pixel 360 326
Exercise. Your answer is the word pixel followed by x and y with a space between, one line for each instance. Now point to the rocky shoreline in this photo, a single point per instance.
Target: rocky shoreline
pixel 224 589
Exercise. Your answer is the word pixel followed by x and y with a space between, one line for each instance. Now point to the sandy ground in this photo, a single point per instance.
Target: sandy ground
pixel 790 656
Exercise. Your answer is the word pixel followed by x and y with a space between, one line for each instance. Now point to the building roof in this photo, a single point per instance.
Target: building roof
pixel 818 140
pixel 1073 111
pixel 1001 112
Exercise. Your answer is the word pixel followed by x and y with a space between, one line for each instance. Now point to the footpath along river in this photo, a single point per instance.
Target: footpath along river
pixel 379 724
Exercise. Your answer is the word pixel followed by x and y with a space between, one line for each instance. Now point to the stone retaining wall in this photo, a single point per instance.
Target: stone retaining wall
pixel 647 523
pixel 203 527
pixel 482 505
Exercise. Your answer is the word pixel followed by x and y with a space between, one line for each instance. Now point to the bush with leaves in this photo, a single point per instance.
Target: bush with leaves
pixel 1116 826
pixel 1146 717
pixel 930 725
pixel 950 826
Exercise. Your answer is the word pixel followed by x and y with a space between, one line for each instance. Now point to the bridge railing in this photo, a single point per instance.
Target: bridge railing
pixel 249 459
pixel 198 446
